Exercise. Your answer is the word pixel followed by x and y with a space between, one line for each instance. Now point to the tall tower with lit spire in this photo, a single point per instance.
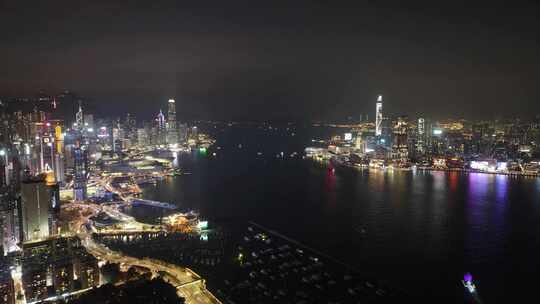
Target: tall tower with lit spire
pixel 378 116
pixel 172 135
pixel 79 118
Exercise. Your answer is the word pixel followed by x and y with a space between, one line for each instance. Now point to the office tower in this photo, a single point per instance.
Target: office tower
pixel 387 133
pixel 161 128
pixel 172 135
pixel 194 133
pixel 142 138
pixel 182 132
pixel 80 171
pixel 421 136
pixel 116 140
pixel 149 131
pixel 88 122
pixel 130 130
pixel 59 171
pixel 400 144
pixel 79 119
pixel 36 209
pixel 103 134
pixel 378 116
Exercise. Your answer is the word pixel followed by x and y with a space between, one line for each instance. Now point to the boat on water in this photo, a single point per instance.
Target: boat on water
pixel 468 283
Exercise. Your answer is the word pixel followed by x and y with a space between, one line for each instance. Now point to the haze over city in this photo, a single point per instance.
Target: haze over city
pixel 222 152
pixel 306 60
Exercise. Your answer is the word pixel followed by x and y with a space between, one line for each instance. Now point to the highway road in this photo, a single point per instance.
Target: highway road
pixel 189 285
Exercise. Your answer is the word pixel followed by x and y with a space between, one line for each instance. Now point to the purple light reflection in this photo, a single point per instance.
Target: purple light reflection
pixel 501 187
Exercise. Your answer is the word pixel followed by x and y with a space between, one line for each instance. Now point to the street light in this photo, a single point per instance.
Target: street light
pixel 3 152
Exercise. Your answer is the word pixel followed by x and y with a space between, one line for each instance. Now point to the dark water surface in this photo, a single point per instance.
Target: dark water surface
pixel 423 230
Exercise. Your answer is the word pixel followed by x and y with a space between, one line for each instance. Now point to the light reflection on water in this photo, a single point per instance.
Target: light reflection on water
pixel 422 229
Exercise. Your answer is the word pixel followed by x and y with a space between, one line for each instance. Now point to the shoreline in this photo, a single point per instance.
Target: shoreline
pixel 467 171
pixel 516 174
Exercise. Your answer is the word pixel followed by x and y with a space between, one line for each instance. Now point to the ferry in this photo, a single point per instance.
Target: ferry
pixel 468 283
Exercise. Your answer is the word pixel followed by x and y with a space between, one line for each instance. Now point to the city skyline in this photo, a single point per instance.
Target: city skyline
pixel 244 152
pixel 320 61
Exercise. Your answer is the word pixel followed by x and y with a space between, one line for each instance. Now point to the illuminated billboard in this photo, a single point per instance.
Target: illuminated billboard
pixel 348 136
pixel 489 166
pixel 502 166
pixel 480 165
pixel 437 131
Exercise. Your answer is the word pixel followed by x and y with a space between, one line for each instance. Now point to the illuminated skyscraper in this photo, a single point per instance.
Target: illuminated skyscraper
pixel 421 138
pixel 36 206
pixel 130 130
pixel 79 176
pixel 79 119
pixel 172 135
pixel 378 116
pixel 400 138
pixel 160 128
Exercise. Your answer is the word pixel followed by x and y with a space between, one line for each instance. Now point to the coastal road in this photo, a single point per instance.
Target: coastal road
pixel 188 284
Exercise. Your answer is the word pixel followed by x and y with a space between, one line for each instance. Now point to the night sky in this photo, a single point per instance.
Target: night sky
pixel 243 60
